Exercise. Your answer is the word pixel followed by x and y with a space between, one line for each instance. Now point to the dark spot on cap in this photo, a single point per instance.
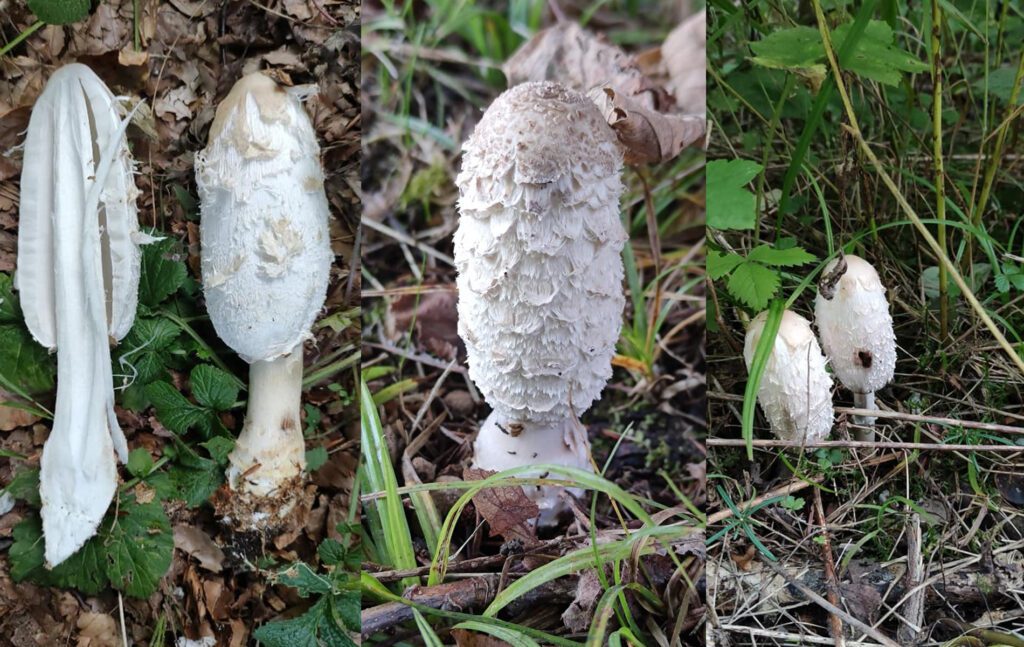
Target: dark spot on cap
pixel 865 358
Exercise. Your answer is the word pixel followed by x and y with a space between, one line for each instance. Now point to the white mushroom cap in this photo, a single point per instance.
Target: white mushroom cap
pixel 266 254
pixel 796 390
pixel 856 328
pixel 538 253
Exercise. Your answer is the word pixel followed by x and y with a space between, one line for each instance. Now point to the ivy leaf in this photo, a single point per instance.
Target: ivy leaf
pixel 60 12
pixel 753 284
pixel 791 257
pixel 729 204
pixel 719 264
pixel 213 388
pixel 163 272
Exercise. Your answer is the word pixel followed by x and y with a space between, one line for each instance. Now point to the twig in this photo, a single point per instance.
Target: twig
pixel 831 608
pixel 789 638
pixel 861 444
pixel 913 613
pixel 830 571
pixel 381 228
pixel 462 594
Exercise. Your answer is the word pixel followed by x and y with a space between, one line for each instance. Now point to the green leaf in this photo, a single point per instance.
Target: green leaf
pixel 301 577
pixel 138 547
pixel 787 49
pixel 196 485
pixel 60 12
pixel 10 309
pixel 144 352
pixel 347 606
pixel 331 552
pixel 140 463
pixel 24 362
pixel 163 272
pixel 174 411
pixel 780 257
pixel 25 486
pixel 297 632
pixel 753 284
pixel 719 264
pixel 219 448
pixel 876 57
pixel 213 387
pixel 315 458
pixel 729 204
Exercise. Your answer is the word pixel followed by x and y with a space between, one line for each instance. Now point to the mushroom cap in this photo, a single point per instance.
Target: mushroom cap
pixel 856 328
pixel 538 252
pixel 266 253
pixel 796 390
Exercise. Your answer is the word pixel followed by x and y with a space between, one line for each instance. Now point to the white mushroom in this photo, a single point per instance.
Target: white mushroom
pixel 852 315
pixel 266 260
pixel 540 274
pixel 796 391
pixel 78 274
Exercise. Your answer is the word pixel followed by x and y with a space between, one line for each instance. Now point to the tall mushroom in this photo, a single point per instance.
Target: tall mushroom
pixel 856 331
pixel 78 275
pixel 539 275
pixel 796 390
pixel 266 260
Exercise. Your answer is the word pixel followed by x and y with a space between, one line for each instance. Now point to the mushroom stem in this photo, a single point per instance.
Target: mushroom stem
pixel 503 444
pixel 270 450
pixel 866 430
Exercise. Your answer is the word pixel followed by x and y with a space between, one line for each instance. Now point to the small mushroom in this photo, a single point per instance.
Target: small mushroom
pixel 266 260
pixel 796 390
pixel 78 275
pixel 852 315
pixel 540 275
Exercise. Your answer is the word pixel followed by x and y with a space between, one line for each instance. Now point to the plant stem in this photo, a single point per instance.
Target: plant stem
pixel 20 37
pixel 854 129
pixel 940 176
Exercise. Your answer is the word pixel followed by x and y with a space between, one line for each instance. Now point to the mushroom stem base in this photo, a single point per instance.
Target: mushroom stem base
pixel 270 450
pixel 864 401
pixel 557 443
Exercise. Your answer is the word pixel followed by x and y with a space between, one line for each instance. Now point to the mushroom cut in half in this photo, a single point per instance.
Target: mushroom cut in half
pixel 796 390
pixel 852 315
pixel 266 260
pixel 538 251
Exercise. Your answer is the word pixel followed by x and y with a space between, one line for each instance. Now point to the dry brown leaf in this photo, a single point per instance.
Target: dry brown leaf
pixel 508 510
pixel 97 630
pixel 467 638
pixel 434 318
pixel 684 56
pixel 10 417
pixel 647 135
pixel 570 55
pixel 196 543
pixel 580 614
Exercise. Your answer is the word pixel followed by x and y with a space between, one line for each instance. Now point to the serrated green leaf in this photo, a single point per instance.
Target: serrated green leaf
pixel 140 463
pixel 83 571
pixel 163 272
pixel 794 48
pixel 60 12
pixel 143 354
pixel 347 607
pixel 297 632
pixel 139 546
pixel 719 264
pixel 213 387
pixel 331 552
pixel 24 362
pixel 876 57
pixel 753 285
pixel 219 448
pixel 729 204
pixel 301 577
pixel 315 458
pixel 195 486
pixel 791 257
pixel 174 411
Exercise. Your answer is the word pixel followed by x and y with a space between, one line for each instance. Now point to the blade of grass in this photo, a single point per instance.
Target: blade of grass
pixel 757 366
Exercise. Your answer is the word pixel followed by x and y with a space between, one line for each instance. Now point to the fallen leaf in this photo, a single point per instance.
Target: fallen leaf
pixel 196 543
pixel 433 318
pixel 580 614
pixel 685 59
pixel 97 630
pixel 467 638
pixel 647 135
pixel 508 511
